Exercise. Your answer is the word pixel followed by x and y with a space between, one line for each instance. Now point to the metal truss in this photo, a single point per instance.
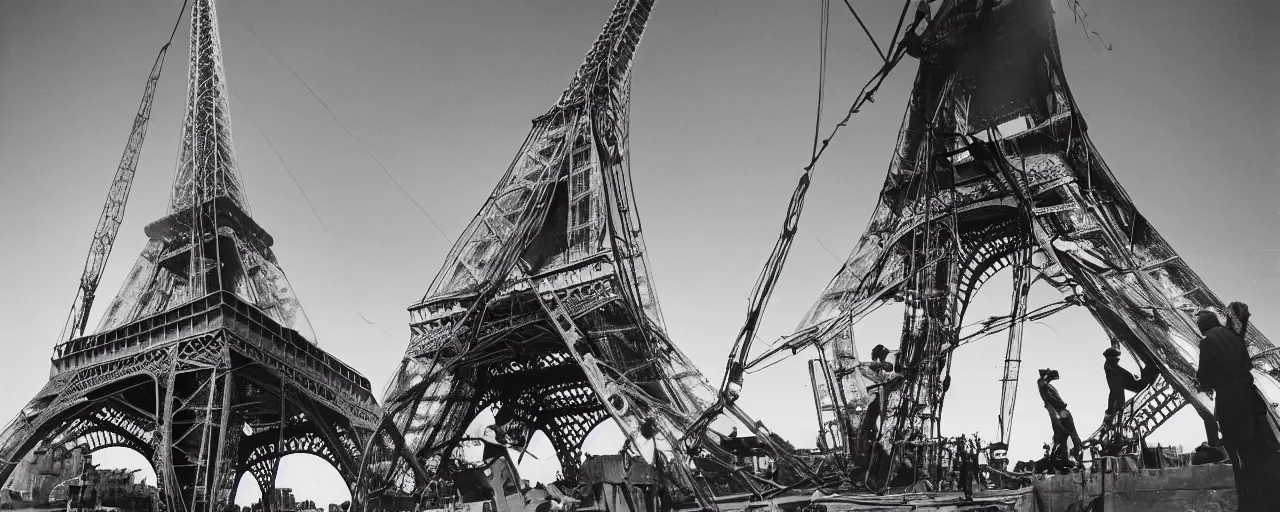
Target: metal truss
pixel 260 453
pixel 185 397
pixel 106 427
pixel 206 161
pixel 1004 170
pixel 204 342
pixel 207 241
pixel 545 309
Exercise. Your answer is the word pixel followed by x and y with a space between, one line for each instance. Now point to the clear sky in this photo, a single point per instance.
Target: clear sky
pixel 1183 109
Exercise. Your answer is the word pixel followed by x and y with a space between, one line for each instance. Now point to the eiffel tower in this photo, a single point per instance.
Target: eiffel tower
pixel 204 362
pixel 545 309
pixel 994 169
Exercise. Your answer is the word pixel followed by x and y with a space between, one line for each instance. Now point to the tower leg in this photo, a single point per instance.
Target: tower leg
pixel 912 410
pixel 235 487
pixel 196 452
pixel 265 475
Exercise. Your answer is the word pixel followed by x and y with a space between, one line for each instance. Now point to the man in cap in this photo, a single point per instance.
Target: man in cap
pixel 1063 424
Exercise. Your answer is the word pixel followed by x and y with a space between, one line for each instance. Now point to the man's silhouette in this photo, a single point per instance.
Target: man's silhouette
pixel 1120 380
pixel 1063 425
pixel 1241 410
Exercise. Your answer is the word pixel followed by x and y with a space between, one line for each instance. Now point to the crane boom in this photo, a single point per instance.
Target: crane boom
pixel 104 236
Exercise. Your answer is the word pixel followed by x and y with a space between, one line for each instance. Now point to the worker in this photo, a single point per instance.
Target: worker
pixel 879 353
pixel 1267 469
pixel 1120 380
pixel 880 359
pixel 1240 409
pixel 1238 318
pixel 950 482
pixel 966 468
pixel 998 456
pixel 870 425
pixel 1060 418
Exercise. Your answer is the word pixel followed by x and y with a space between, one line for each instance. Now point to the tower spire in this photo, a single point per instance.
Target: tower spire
pixel 207 242
pixel 207 166
pixel 607 66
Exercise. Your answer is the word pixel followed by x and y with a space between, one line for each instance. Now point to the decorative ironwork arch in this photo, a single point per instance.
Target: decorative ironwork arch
pixel 262 452
pixel 99 437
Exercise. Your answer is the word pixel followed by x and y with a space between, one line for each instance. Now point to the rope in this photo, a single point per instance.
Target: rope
pixel 343 126
pixel 824 247
pixel 346 278
pixel 1078 16
pixel 176 24
pixel 753 370
pixel 254 122
pixel 822 71
pixel 865 30
pixel 773 266
pixel 893 41
pixel 735 367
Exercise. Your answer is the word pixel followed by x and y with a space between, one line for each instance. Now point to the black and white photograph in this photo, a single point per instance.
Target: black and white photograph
pixel 639 255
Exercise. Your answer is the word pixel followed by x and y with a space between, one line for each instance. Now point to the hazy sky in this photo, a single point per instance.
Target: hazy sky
pixel 1184 111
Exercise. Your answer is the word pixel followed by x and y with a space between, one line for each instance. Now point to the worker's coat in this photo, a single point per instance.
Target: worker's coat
pixel 1242 415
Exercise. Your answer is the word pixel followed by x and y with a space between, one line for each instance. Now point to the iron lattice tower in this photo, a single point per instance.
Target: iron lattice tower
pixel 545 309
pixel 204 362
pixel 994 168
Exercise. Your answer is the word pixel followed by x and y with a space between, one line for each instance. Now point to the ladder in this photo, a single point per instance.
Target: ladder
pixel 1148 409
pixel 612 394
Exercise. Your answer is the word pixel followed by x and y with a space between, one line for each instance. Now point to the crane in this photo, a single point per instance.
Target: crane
pixel 104 236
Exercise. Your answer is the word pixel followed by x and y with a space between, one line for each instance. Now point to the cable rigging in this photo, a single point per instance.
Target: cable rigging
pixel 252 120
pixel 1080 16
pixel 363 147
pixel 382 167
pixel 731 384
pixel 314 212
pixel 865 30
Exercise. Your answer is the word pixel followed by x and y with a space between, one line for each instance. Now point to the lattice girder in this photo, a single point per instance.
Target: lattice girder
pixel 211 361
pixel 491 244
pixel 59 402
pixel 204 320
pixel 558 402
pixel 107 437
pixel 606 71
pixel 207 241
pixel 561 227
pixel 512 325
pixel 567 433
pixel 562 405
pixel 206 161
pixel 522 352
pixel 300 441
pixel 985 132
pixel 264 473
pixel 111 425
